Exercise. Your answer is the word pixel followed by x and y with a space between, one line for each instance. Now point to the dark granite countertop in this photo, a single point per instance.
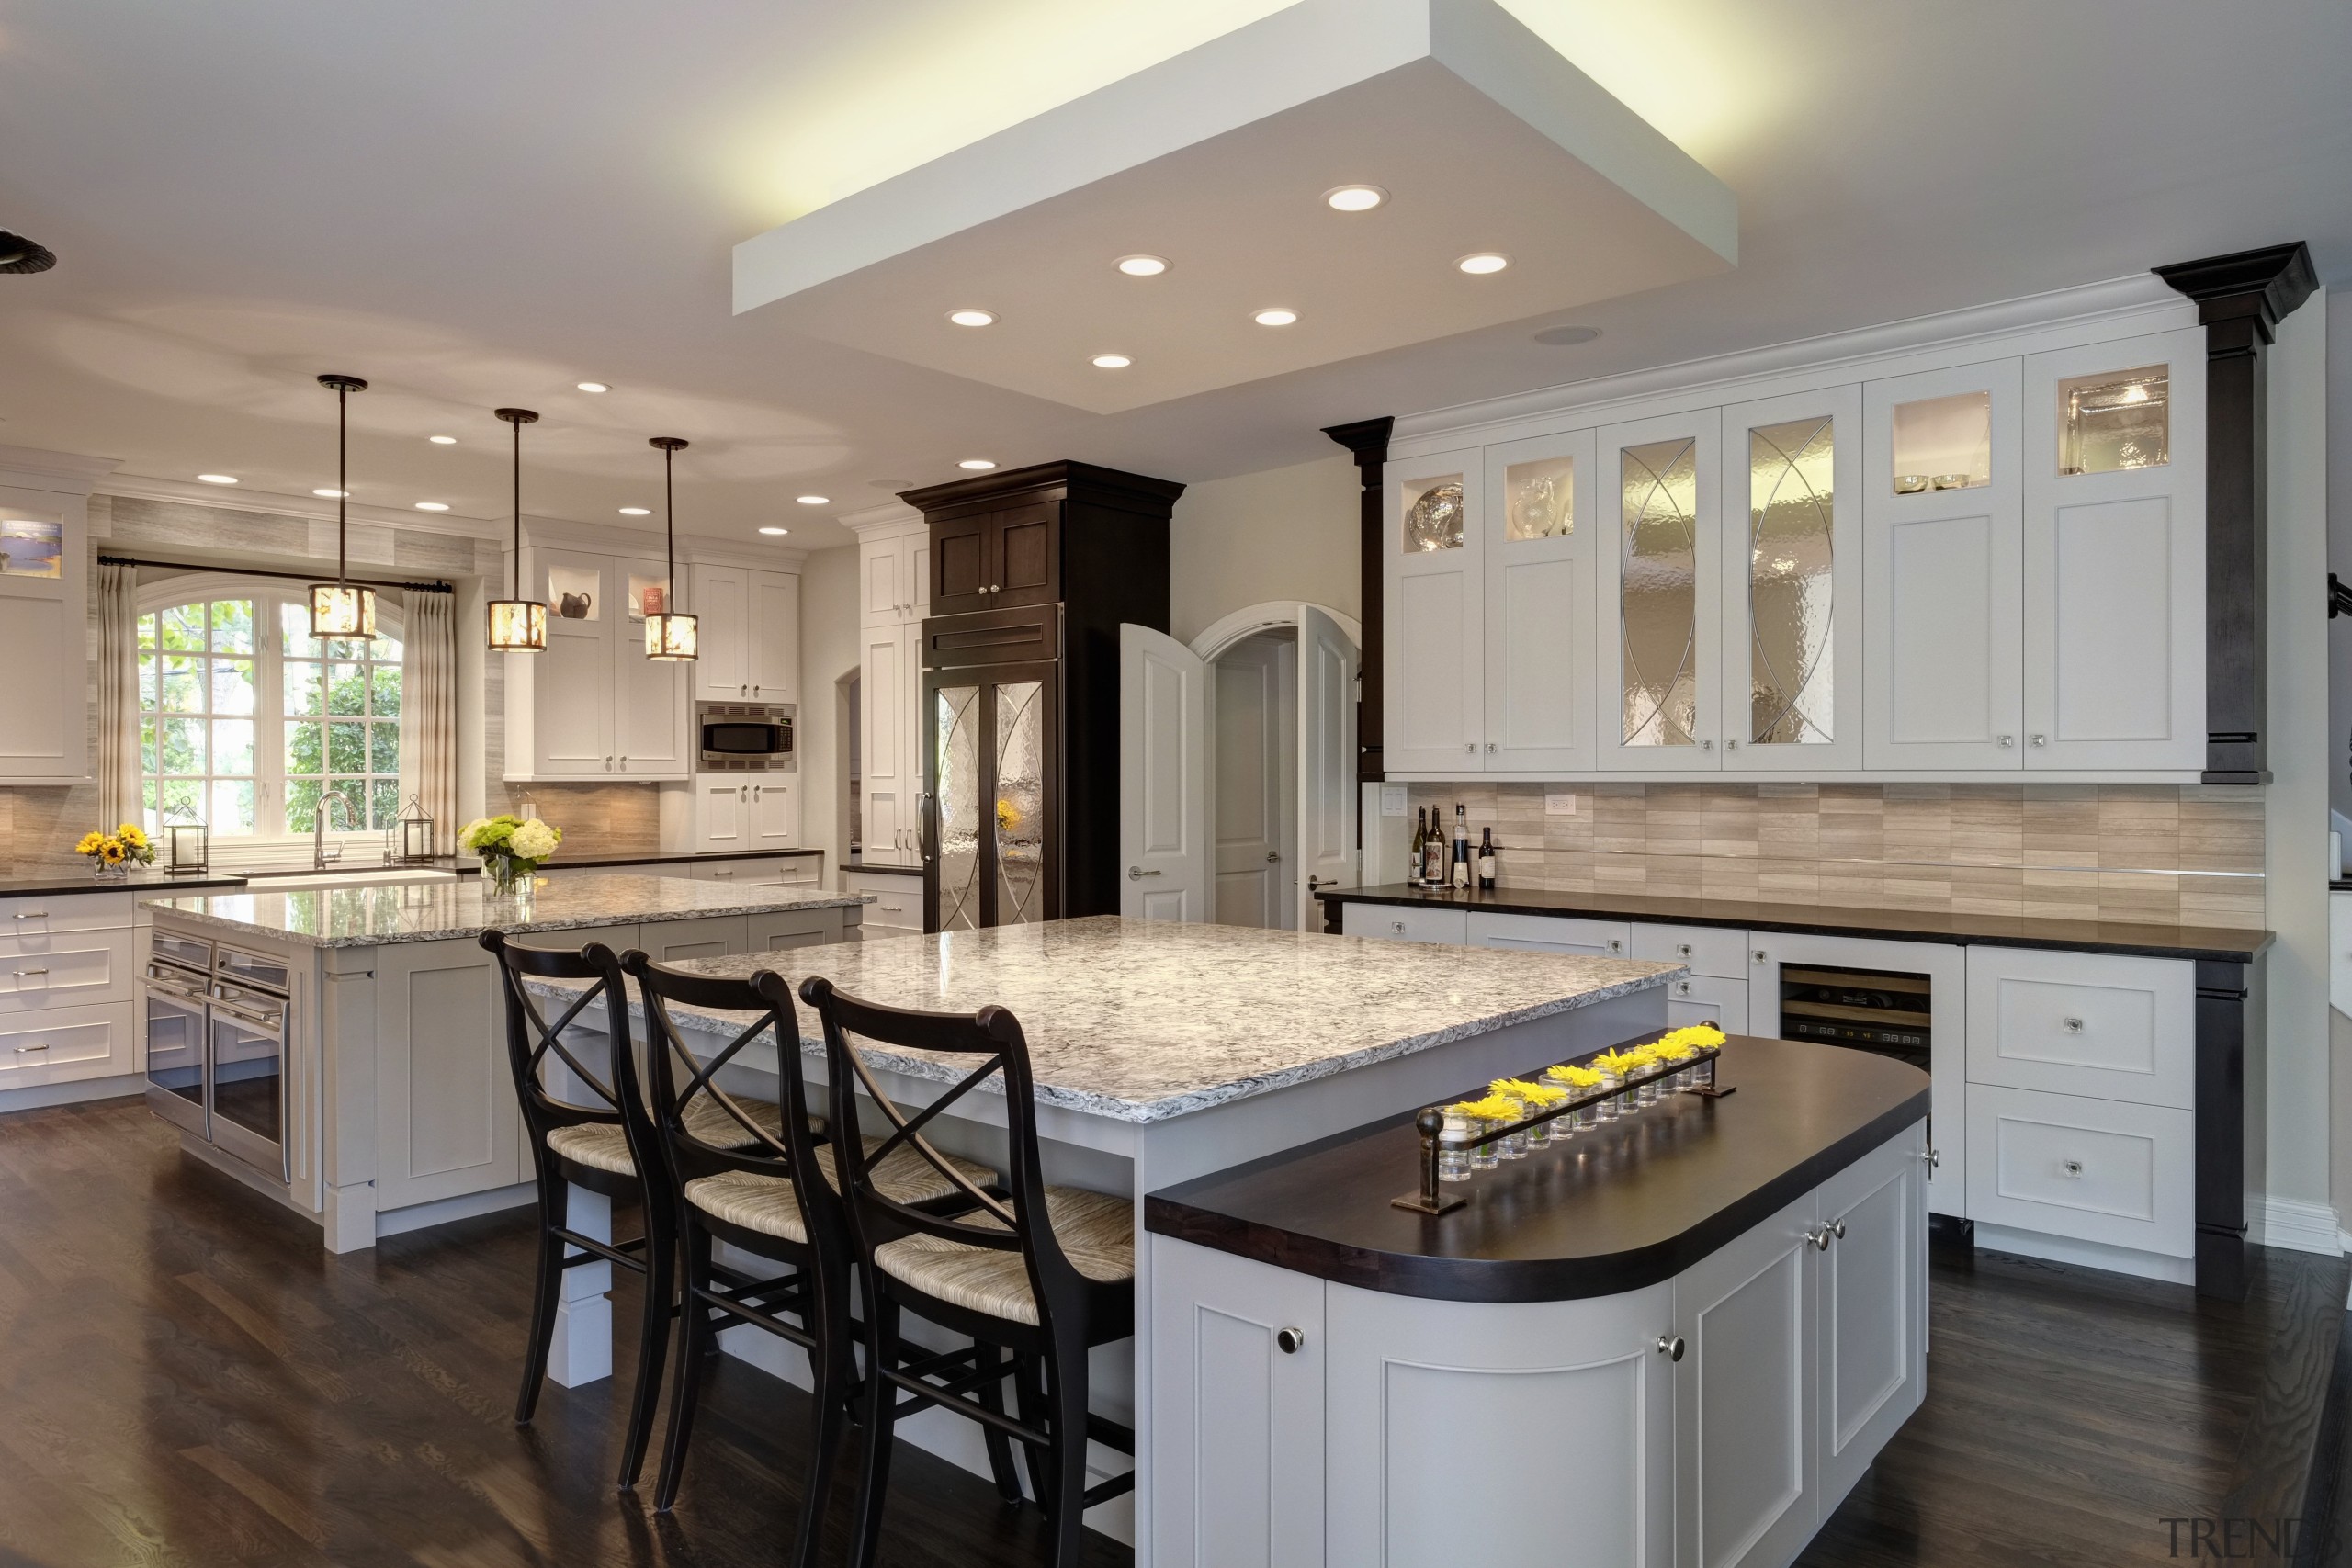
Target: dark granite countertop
pixel 563 861
pixel 854 864
pixel 1619 1207
pixel 2225 943
pixel 67 880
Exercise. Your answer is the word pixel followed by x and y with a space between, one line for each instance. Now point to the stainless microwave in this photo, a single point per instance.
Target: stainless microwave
pixel 745 736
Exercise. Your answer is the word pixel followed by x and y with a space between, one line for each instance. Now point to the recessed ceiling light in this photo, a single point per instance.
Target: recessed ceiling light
pixel 775 531
pixel 432 506
pixel 1143 266
pixel 333 494
pixel 593 387
pixel 443 440
pixel 1478 261
pixel 814 499
pixel 1275 318
pixel 1354 198
pixel 218 478
pixel 977 463
pixel 1111 362
pixel 972 317
pixel 1565 337
pixel 637 512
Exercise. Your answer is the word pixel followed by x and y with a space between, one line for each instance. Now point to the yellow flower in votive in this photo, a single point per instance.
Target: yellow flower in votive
pixel 1619 1063
pixel 1542 1095
pixel 1575 1077
pixel 1672 1050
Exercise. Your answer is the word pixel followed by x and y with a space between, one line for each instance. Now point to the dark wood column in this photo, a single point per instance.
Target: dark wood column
pixel 2230 1128
pixel 1367 441
pixel 2241 300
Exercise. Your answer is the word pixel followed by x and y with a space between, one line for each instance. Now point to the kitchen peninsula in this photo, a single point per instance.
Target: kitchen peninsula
pixel 343 1050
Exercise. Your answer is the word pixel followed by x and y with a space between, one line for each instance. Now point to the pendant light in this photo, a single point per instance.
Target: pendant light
pixel 518 625
pixel 341 608
pixel 669 636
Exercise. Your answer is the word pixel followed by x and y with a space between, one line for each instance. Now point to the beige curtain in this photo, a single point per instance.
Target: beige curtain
pixel 429 713
pixel 119 792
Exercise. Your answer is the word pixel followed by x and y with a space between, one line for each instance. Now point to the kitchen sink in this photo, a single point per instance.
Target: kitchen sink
pixel 353 876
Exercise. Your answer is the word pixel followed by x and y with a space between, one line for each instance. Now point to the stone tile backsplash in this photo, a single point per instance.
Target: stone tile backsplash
pixel 2170 853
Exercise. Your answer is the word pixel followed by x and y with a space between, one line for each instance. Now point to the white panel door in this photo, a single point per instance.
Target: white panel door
pixel 776 812
pixel 772 645
pixel 1329 799
pixel 1163 778
pixel 1252 799
pixel 722 632
pixel 1659 568
pixel 884 595
pixel 1943 571
pixel 2115 555
pixel 649 696
pixel 1793 675
pixel 888 692
pixel 1434 579
pixel 571 718
pixel 1871 1308
pixel 722 813
pixel 1744 1399
pixel 1539 525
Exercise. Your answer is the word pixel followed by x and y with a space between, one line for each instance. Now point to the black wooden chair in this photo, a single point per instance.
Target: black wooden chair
pixel 1044 1272
pixel 767 1189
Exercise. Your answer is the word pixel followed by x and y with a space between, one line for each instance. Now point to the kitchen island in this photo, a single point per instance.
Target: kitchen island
pixel 343 1050
pixel 1163 1052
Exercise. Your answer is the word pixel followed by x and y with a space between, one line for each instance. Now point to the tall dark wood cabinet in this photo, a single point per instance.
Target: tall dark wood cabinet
pixel 1032 572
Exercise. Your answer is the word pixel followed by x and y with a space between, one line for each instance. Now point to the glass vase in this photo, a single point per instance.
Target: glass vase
pixel 101 871
pixel 1453 1154
pixel 1486 1156
pixel 507 876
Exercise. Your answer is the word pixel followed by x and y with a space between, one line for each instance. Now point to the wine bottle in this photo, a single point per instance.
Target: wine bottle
pixel 1433 855
pixel 1421 846
pixel 1486 860
pixel 1461 848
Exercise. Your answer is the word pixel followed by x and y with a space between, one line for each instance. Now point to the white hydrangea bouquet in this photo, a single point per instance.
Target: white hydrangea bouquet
pixel 512 848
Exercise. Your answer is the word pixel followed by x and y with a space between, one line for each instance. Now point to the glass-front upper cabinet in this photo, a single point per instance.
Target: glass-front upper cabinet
pixel 1660 577
pixel 2114 481
pixel 1793 582
pixel 1434 578
pixel 1540 527
pixel 1942 586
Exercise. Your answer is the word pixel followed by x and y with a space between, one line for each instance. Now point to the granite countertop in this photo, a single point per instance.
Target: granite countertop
pixel 1618 1207
pixel 681 857
pixel 68 880
pixel 431 911
pixel 1140 1021
pixel 2225 943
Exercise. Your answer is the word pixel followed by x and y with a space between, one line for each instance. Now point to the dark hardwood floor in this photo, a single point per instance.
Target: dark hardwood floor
pixel 185 1378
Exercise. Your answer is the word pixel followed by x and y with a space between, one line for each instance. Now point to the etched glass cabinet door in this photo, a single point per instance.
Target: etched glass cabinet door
pixel 1659 557
pixel 1434 579
pixel 993 841
pixel 1791 582
pixel 1943 571
pixel 1540 523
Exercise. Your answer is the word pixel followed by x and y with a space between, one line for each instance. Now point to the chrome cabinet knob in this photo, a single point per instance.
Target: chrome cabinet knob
pixel 2008 740
pixel 1818 1238
pixel 1291 1341
pixel 1490 746
pixel 1837 1229
pixel 1683 986
pixel 1615 945
pixel 2071 1167
pixel 1683 950
pixel 1470 746
pixel 1932 1157
pixel 1670 1347
pixel 2037 740
pixel 1273 855
pixel 2072 1025
pixel 1759 956
pixel 1706 745
pixel 1731 745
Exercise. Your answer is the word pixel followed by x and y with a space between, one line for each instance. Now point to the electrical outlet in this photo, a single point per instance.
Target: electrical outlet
pixel 1560 805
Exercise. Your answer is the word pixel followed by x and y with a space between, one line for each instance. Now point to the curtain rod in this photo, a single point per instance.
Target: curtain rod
pixel 260 572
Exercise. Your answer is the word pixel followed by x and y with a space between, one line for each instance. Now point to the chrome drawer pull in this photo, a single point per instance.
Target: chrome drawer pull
pixel 22 974
pixel 33 915
pixel 29 1050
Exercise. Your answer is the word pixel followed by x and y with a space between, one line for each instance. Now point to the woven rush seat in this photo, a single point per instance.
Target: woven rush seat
pixel 767 1204
pixel 601 1146
pixel 1096 1232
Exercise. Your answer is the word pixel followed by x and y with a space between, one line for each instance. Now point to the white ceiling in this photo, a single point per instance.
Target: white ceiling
pixel 475 205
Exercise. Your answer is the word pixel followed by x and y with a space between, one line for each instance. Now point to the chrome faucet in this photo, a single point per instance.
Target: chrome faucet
pixel 321 856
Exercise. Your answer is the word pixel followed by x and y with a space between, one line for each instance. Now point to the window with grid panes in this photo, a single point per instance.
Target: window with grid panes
pixel 246 721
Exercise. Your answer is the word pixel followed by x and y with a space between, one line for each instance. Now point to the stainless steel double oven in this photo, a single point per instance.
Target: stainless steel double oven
pixel 216 1046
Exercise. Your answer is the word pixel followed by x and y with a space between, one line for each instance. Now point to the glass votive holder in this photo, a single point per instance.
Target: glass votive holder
pixel 1540 1136
pixel 1646 1092
pixel 1488 1155
pixel 1514 1143
pixel 1453 1149
pixel 1612 1104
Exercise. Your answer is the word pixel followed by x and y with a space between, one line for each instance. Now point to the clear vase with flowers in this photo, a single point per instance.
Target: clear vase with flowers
pixel 511 849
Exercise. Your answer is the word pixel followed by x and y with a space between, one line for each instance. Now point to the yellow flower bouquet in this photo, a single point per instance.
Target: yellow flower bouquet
pixel 113 855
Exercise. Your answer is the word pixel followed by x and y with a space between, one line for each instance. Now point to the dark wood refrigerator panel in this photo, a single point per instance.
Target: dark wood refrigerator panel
pixel 992 817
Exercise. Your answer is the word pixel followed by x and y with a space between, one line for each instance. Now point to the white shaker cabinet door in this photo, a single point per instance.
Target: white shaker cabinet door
pixel 1434 579
pixel 772 649
pixel 1659 570
pixel 722 629
pixel 569 685
pixel 1943 571
pixel 1539 525
pixel 1871 1301
pixel 1793 675
pixel 2115 554
pixel 886 691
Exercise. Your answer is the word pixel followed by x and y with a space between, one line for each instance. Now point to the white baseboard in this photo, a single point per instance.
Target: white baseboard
pixel 2295 1225
pixel 2088 1254
pixel 36 1096
pixel 416 1216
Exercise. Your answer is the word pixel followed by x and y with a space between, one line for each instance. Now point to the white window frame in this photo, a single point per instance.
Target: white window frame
pixel 269 718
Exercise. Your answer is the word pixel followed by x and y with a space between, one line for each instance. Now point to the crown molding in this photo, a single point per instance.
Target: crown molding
pixel 30 466
pixel 2115 299
pixel 886 521
pixel 224 498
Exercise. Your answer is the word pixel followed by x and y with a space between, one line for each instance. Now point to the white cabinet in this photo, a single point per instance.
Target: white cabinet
pixel 716 813
pixel 1538 527
pixel 1398 922
pixel 894 572
pixel 748 630
pixel 1871 1310
pixel 1660 575
pixel 2109 1026
pixel 898 899
pixel 1547 933
pixel 2115 554
pixel 2105 1171
pixel 1435 584
pixel 890 770
pixel 45 714
pixel 593 705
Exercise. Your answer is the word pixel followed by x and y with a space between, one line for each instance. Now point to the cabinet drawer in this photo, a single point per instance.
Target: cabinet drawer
pixel 30 917
pixel 64 1044
pixel 1706 998
pixel 1550 933
pixel 73 969
pixel 1398 922
pixel 2100 1025
pixel 1709 950
pixel 2099 1170
pixel 898 900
